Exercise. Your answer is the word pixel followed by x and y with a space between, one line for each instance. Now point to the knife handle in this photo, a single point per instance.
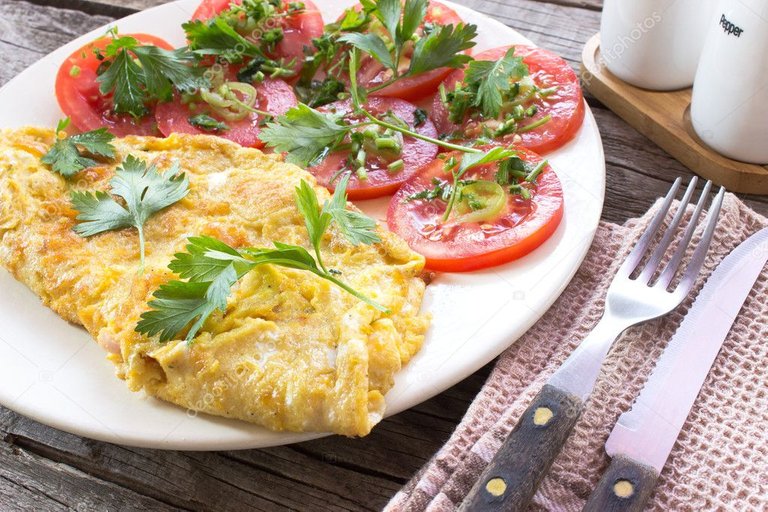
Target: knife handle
pixel 625 486
pixel 510 480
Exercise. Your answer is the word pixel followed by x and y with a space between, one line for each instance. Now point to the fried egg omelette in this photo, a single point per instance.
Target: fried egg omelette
pixel 290 352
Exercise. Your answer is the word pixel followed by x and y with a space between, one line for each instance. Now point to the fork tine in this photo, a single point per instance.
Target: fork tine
pixel 658 253
pixel 634 257
pixel 697 260
pixel 671 268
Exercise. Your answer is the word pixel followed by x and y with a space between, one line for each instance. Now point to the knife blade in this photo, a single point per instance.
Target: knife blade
pixel 643 437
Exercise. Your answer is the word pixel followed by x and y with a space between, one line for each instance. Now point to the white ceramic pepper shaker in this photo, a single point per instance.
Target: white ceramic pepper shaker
pixel 729 110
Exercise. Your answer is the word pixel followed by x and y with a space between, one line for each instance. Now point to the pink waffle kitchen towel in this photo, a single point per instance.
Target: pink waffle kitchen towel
pixel 720 461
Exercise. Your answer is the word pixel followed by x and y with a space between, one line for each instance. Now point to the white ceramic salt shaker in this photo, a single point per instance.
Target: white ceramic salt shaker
pixel 654 44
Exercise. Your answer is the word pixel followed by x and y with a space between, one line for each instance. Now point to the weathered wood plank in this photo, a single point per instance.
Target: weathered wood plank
pixel 28 32
pixel 113 8
pixel 31 482
pixel 638 171
pixel 117 7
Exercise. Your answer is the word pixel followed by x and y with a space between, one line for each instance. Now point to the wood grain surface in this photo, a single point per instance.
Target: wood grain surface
pixel 45 469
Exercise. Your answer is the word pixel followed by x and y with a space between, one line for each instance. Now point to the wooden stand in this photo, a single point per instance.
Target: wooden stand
pixel 664 117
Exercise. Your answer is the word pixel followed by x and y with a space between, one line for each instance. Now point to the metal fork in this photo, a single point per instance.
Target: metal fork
pixel 510 480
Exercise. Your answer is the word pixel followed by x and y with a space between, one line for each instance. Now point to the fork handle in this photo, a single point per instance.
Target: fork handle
pixel 510 480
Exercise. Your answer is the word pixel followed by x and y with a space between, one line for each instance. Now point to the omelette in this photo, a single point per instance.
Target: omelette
pixel 291 351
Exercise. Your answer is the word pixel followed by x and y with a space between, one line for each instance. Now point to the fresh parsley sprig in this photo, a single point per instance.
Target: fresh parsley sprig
pixel 438 48
pixel 138 74
pixel 211 267
pixel 70 155
pixel 354 226
pixel 305 134
pixel 490 81
pixel 493 88
pixel 143 189
pixel 218 37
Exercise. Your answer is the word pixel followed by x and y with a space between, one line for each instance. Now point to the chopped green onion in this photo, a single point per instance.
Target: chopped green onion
pixel 521 191
pixel 388 143
pixel 535 124
pixel 480 201
pixel 396 166
pixel 536 171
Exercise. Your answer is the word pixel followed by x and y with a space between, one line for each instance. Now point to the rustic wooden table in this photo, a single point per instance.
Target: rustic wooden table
pixel 44 469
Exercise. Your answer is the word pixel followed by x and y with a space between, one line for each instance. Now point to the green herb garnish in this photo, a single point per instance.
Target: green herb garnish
pixel 207 123
pixel 219 37
pixel 139 74
pixel 212 267
pixel 144 191
pixel 306 134
pixel 437 48
pixel 70 155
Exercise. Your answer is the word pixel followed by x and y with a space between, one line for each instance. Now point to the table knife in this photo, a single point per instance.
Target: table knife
pixel 644 436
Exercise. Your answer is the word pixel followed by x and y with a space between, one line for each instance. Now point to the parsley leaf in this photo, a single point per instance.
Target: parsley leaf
pixel 317 222
pixel 176 304
pixel 305 134
pixel 434 48
pixel 471 160
pixel 442 47
pixel 388 13
pixel 205 259
pixel 162 66
pixel 492 80
pixel 217 37
pixel 138 74
pixel 72 154
pixel 356 227
pixel 372 44
pixel 143 188
pixel 123 78
pixel 414 13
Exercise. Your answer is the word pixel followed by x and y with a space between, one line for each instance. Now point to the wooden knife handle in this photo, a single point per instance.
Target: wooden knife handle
pixel 626 486
pixel 510 480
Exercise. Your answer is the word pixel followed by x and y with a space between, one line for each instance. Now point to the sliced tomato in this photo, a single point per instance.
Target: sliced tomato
pixel 565 106
pixel 298 29
pixel 77 91
pixel 372 73
pixel 379 180
pixel 520 227
pixel 274 96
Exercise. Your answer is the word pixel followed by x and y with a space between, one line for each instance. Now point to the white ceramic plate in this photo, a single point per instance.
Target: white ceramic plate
pixel 54 373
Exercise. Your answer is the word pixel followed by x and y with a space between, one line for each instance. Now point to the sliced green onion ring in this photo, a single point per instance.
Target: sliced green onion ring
pixel 489 194
pixel 225 102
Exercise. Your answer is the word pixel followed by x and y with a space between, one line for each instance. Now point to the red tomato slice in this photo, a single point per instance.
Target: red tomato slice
pixel 372 73
pixel 566 105
pixel 274 96
pixel 452 247
pixel 380 180
pixel 77 91
pixel 298 29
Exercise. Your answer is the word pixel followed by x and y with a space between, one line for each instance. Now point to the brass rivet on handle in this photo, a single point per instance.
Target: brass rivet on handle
pixel 623 488
pixel 542 415
pixel 496 486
